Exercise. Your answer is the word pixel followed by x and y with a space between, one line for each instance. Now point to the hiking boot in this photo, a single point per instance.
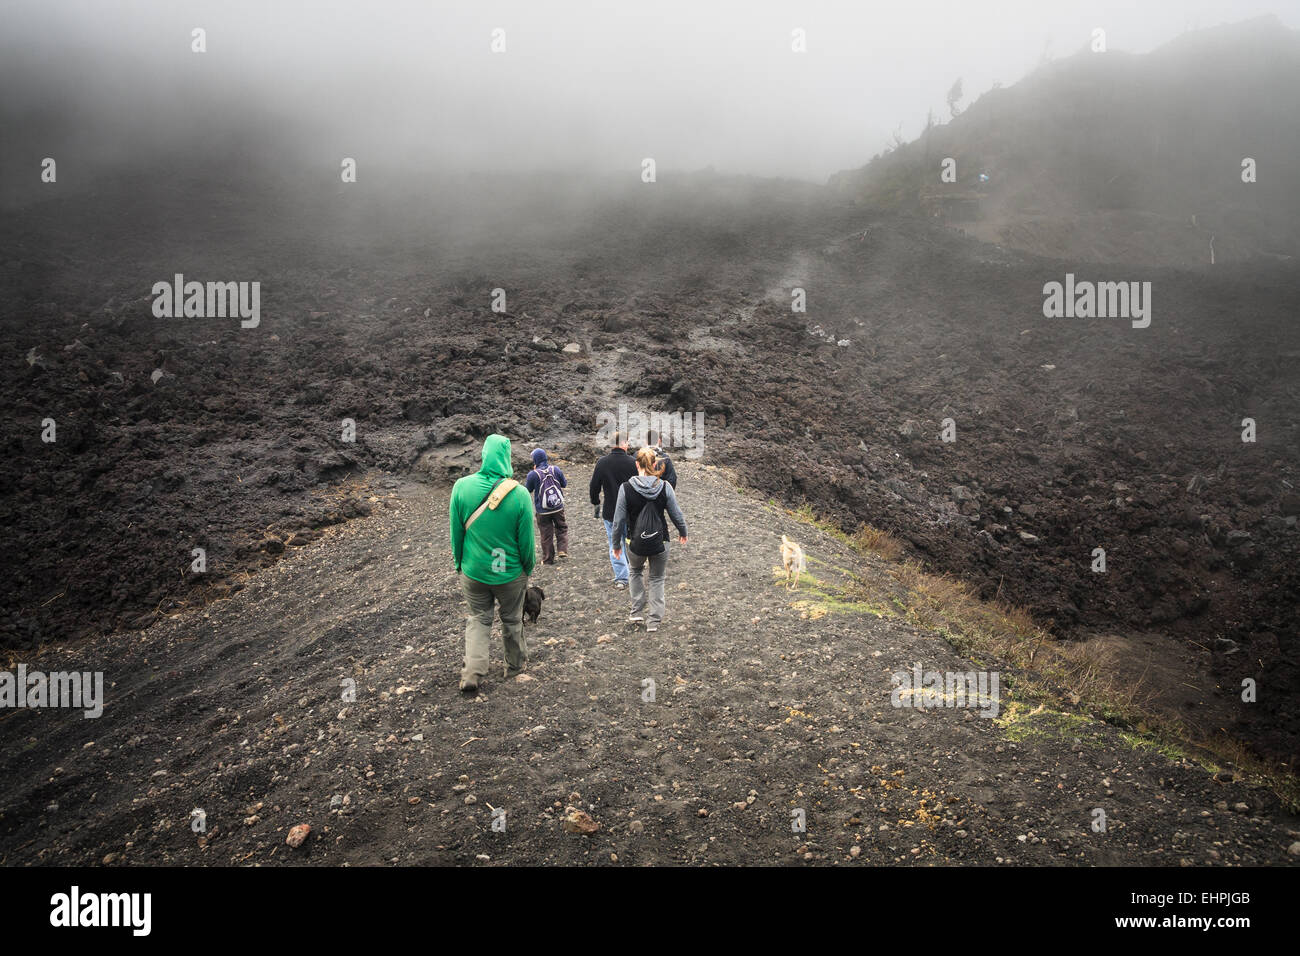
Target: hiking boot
pixel 468 686
pixel 562 554
pixel 513 672
pixel 635 619
pixel 651 628
pixel 620 585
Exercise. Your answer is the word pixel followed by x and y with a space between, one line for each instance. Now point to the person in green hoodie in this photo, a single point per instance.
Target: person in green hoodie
pixel 494 550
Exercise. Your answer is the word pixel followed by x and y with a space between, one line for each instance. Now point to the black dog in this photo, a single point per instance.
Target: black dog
pixel 533 598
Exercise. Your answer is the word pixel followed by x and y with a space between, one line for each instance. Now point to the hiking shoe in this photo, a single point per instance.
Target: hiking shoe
pixel 468 687
pixel 635 619
pixel 651 628
pixel 562 554
pixel 513 672
pixel 620 585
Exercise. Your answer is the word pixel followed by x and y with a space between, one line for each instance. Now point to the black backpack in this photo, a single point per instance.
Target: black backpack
pixel 648 531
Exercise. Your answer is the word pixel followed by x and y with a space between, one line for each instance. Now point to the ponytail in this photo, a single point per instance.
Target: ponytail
pixel 648 460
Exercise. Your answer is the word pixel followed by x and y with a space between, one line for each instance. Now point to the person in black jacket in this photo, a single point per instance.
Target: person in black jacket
pixel 610 473
pixel 670 473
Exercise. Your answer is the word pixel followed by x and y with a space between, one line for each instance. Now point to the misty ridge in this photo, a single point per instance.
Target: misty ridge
pixel 446 131
pixel 1157 147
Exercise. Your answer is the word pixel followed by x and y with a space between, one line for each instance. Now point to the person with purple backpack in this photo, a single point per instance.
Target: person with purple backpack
pixel 546 483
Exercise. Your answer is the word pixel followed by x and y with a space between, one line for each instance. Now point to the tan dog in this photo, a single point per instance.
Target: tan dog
pixel 792 560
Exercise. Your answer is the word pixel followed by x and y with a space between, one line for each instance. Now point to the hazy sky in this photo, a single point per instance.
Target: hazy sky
pixel 581 84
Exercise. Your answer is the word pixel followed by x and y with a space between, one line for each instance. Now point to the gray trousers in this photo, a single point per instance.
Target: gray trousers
pixel 478 625
pixel 636 586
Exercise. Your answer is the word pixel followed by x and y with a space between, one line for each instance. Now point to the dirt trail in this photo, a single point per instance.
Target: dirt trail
pixel 766 702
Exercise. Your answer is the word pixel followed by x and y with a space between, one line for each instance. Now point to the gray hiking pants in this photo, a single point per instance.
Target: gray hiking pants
pixel 636 586
pixel 478 625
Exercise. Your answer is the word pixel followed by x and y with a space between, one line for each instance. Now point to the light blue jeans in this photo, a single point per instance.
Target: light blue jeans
pixel 618 564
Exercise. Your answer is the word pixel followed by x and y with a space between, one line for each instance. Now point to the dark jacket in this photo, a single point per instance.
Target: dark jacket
pixel 533 482
pixel 670 473
pixel 611 471
pixel 645 491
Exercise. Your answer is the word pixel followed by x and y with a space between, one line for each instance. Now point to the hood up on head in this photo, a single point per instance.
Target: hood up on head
pixel 496 457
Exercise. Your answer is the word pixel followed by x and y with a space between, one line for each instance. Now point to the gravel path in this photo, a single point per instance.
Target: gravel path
pixel 769 706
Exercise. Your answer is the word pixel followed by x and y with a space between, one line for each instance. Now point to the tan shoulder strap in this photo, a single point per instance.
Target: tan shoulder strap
pixel 492 500
pixel 499 495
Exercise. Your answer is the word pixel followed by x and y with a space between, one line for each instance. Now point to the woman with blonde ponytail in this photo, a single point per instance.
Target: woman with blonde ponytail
pixel 640 524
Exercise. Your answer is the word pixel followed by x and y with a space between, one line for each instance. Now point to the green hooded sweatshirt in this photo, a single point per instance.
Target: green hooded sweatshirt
pixel 508 528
